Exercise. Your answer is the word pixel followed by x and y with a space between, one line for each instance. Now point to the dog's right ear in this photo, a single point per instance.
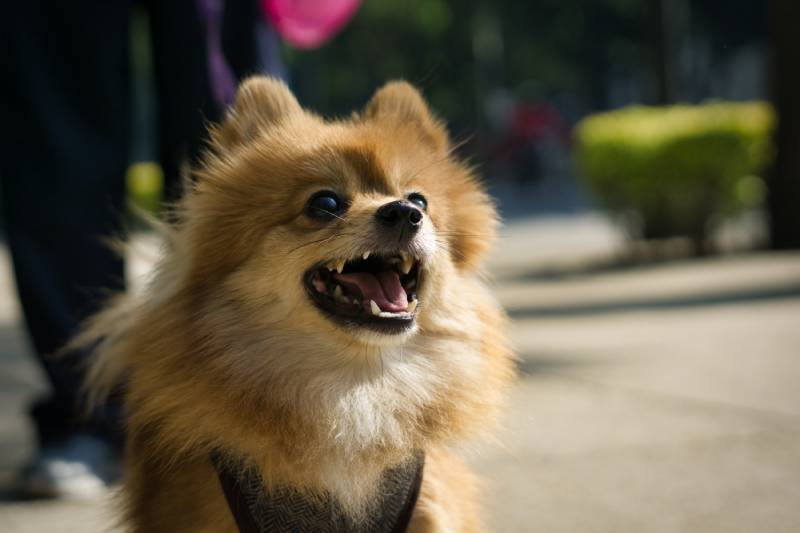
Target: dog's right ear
pixel 261 102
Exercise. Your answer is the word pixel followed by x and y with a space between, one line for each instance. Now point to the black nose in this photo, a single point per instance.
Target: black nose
pixel 400 214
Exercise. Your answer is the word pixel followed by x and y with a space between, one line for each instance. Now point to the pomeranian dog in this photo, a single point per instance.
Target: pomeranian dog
pixel 317 332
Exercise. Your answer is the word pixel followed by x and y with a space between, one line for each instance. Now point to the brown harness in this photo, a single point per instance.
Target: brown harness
pixel 286 510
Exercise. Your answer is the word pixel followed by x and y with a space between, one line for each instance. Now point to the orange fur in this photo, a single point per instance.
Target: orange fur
pixel 225 350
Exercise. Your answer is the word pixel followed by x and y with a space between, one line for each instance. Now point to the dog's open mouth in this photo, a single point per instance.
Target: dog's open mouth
pixel 374 291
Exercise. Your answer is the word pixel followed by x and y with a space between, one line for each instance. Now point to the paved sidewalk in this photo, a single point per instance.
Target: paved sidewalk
pixel 654 399
pixel 655 402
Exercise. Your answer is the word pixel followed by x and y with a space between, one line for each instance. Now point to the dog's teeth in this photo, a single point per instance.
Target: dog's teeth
pixel 399 314
pixel 408 263
pixel 365 256
pixel 340 265
pixel 331 266
pixel 411 306
pixel 375 309
pixel 339 296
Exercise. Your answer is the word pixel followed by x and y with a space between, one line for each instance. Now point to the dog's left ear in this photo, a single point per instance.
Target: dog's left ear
pixel 399 102
pixel 261 102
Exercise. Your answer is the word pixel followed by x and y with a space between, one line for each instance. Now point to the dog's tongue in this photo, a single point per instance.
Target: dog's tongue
pixel 382 287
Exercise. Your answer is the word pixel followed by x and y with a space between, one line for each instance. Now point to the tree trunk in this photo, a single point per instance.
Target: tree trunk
pixel 784 178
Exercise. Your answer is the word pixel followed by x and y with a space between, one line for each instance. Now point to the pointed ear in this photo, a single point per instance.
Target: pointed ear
pixel 400 102
pixel 260 103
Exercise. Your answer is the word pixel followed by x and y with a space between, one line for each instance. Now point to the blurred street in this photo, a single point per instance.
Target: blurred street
pixel 660 398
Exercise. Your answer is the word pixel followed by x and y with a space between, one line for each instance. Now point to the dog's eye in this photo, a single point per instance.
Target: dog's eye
pixel 417 198
pixel 325 205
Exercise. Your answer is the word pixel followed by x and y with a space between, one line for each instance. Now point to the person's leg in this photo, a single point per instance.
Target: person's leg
pixel 241 23
pixel 182 108
pixel 184 82
pixel 64 153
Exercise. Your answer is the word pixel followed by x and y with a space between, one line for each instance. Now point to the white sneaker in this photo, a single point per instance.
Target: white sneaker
pixel 81 467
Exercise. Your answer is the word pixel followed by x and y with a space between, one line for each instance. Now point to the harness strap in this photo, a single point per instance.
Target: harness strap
pixel 411 499
pixel 245 520
pixel 284 510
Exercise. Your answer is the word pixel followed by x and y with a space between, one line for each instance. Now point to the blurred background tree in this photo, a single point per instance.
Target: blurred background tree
pixel 596 54
pixel 513 77
pixel 458 52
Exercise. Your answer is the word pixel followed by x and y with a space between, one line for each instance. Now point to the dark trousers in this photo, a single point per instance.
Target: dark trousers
pixel 65 96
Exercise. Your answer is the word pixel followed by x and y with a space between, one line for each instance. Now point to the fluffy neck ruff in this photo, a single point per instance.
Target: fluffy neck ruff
pixel 309 421
pixel 333 416
pixel 317 412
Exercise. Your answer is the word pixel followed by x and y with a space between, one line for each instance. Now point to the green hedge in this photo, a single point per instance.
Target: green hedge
pixel 676 169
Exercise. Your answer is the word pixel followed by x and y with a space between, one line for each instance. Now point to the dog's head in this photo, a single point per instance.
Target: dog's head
pixel 354 228
pixel 317 302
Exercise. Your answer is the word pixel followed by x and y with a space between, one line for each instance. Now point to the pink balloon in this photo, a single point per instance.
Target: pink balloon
pixel 309 23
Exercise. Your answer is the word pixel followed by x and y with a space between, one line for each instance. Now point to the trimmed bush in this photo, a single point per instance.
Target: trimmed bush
pixel 673 171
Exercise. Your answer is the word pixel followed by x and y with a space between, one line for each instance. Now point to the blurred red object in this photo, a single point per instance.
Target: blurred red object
pixel 309 23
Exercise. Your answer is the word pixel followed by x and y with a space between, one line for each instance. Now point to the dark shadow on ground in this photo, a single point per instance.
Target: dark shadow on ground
pixel 639 256
pixel 543 365
pixel 605 265
pixel 676 302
